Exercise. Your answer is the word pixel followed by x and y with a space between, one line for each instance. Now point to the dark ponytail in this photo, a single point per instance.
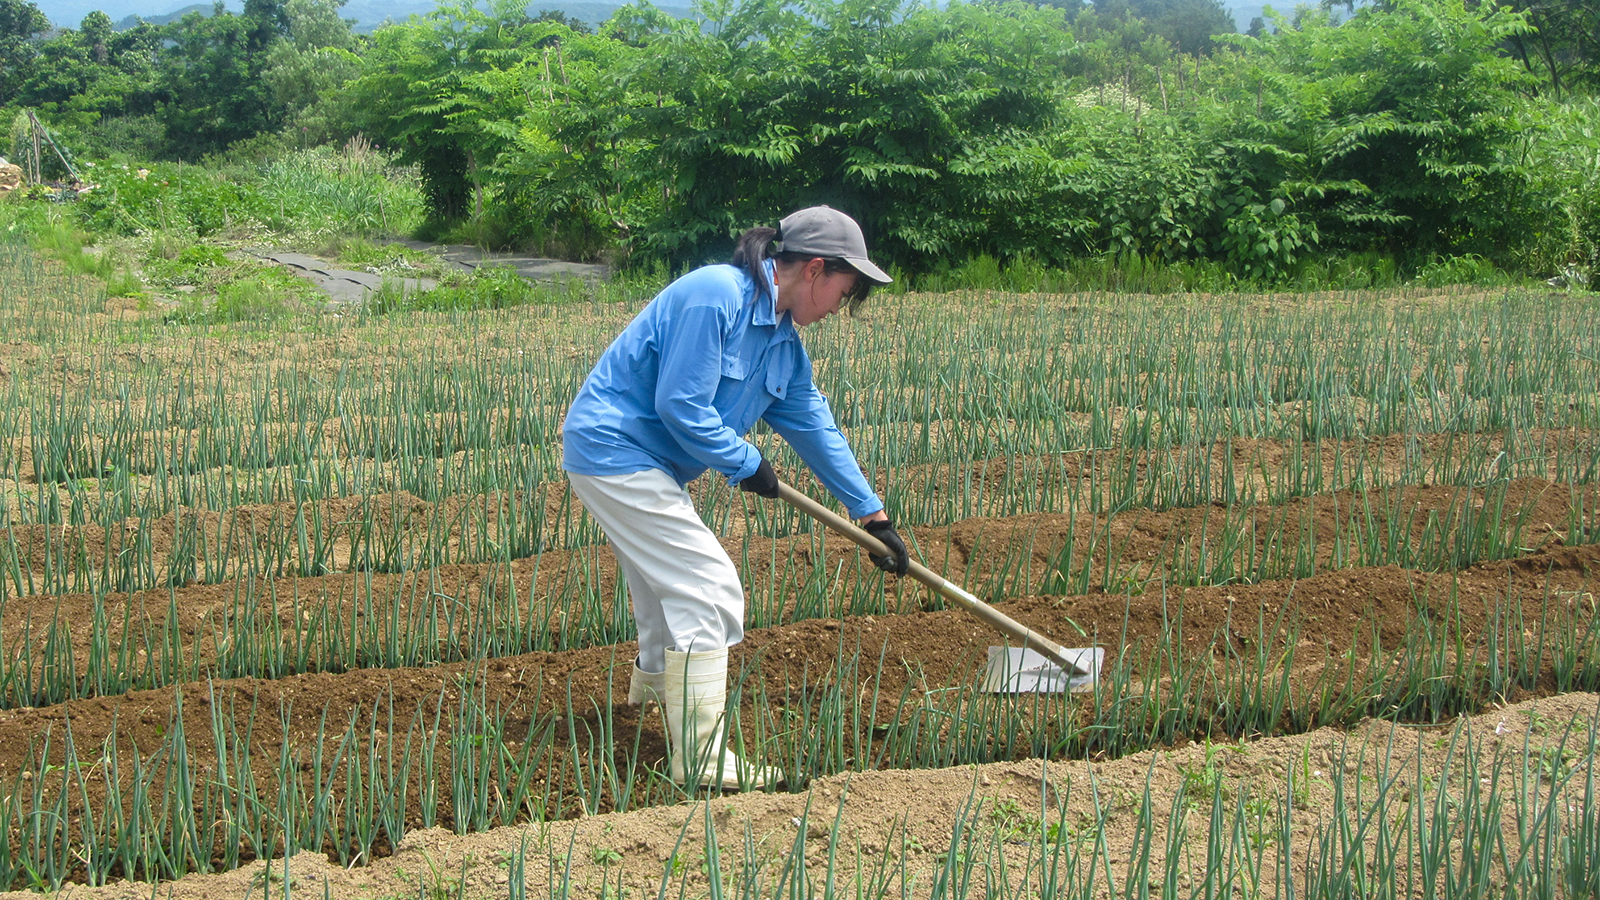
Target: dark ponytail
pixel 755 246
pixel 753 249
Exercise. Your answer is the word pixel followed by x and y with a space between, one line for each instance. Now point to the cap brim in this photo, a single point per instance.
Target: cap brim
pixel 873 273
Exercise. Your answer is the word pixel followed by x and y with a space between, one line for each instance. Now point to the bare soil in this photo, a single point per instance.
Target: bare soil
pixel 1337 612
pixel 912 653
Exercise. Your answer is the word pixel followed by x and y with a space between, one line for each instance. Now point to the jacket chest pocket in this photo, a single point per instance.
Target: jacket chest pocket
pixel 780 366
pixel 769 374
pixel 777 382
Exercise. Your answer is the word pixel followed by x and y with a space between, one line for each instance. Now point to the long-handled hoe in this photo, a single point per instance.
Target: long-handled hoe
pixel 1039 666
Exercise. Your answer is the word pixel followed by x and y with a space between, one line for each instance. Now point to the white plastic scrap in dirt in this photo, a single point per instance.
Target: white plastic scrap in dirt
pixel 1571 276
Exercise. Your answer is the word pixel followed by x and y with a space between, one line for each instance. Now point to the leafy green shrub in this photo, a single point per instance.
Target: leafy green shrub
pixel 252 299
pixel 20 218
pixel 253 295
pixel 202 256
pixel 493 287
pixel 973 135
pixel 136 136
pixel 124 283
pixel 174 263
pixel 171 196
pixel 1263 242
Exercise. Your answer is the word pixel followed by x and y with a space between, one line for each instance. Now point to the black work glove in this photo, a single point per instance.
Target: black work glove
pixel 898 559
pixel 763 482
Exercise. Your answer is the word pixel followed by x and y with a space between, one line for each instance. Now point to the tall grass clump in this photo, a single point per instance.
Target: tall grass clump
pixel 353 190
pixel 302 195
pixel 494 287
pixel 1135 274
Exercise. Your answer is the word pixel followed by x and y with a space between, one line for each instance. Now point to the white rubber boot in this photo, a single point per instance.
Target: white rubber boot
pixel 645 687
pixel 696 695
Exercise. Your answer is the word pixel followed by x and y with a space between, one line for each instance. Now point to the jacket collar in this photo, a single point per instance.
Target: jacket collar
pixel 766 311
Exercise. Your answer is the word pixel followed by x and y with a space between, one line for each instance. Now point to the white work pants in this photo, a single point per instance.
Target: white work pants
pixel 685 590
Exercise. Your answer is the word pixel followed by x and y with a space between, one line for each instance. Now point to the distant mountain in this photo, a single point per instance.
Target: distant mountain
pixel 124 24
pixel 69 13
pixel 369 14
pixel 1243 14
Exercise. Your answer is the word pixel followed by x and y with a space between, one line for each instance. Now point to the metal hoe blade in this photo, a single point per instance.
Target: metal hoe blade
pixel 1019 670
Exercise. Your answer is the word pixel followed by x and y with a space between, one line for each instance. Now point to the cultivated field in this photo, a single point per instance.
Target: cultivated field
pixel 321 590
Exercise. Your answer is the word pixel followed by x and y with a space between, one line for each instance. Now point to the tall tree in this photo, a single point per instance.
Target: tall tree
pixel 415 89
pixel 1564 47
pixel 97 30
pixel 81 76
pixel 1411 109
pixel 305 71
pixel 20 23
pixel 1190 26
pixel 214 92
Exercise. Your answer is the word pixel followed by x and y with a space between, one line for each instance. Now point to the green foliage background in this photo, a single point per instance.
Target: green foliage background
pixel 1409 134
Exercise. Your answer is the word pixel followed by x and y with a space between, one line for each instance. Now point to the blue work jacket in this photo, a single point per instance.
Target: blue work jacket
pixel 688 378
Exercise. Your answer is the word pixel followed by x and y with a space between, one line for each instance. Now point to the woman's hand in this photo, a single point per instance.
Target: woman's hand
pixel 898 560
pixel 763 482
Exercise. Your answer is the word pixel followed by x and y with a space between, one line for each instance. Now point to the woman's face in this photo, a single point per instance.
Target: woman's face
pixel 809 293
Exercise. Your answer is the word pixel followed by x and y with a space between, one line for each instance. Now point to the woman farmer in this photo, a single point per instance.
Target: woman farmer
pixel 673 396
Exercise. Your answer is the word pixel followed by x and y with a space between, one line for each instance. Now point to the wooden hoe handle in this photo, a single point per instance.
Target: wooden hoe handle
pixel 994 618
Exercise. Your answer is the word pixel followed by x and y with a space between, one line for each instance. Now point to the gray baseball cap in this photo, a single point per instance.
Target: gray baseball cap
pixel 826 232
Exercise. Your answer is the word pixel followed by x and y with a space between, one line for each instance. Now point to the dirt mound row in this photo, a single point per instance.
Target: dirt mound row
pixel 847 829
pixel 913 656
pixel 255 623
pixel 1339 611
